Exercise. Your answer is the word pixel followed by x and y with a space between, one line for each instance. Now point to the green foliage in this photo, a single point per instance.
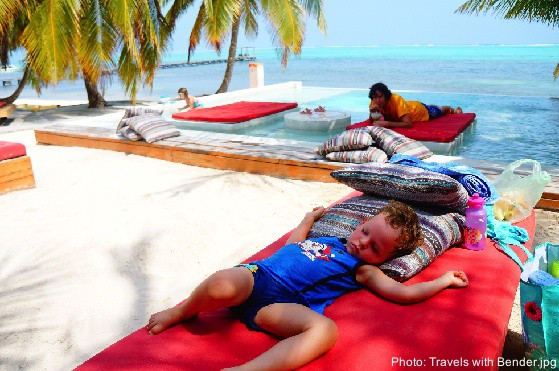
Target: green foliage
pixel 544 11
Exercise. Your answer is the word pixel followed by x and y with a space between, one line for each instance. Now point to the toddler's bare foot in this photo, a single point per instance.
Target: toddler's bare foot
pixel 161 321
pixel 458 110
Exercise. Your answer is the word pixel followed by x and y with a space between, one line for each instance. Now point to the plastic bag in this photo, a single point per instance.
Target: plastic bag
pixel 519 192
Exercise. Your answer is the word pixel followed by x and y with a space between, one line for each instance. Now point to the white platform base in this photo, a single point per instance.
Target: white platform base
pixel 317 121
pixel 449 148
pixel 229 127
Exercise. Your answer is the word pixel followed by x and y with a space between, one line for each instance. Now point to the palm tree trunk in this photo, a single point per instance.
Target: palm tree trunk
pixel 231 57
pixel 12 98
pixel 94 97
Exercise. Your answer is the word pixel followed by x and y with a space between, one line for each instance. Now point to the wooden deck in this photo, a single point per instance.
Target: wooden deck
pixel 230 152
pixel 16 174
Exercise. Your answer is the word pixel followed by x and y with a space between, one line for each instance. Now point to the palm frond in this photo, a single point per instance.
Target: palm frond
pixel 287 19
pixel 49 37
pixel 124 14
pixel 250 12
pixel 220 17
pixel 544 11
pixel 197 30
pixel 556 72
pixel 314 9
pixel 97 40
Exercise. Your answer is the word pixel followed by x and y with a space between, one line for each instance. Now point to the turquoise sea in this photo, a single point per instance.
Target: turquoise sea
pixel 510 88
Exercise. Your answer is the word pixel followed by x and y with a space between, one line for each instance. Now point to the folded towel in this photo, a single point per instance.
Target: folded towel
pixel 473 180
pixel 542 278
pixel 504 234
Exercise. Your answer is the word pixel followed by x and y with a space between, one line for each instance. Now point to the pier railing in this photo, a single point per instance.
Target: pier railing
pixel 240 58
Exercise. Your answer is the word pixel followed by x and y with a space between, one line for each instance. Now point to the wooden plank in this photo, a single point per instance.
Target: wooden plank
pixel 141 149
pixel 548 204
pixel 238 155
pixel 16 174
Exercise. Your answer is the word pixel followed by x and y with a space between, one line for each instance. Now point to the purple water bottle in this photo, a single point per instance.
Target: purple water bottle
pixel 476 223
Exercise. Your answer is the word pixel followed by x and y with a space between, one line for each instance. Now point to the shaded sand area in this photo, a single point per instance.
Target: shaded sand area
pixel 108 238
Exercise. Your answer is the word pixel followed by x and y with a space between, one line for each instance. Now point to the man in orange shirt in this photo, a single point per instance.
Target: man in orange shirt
pixel 399 113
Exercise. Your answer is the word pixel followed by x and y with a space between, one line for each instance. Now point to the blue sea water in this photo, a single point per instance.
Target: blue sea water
pixel 510 88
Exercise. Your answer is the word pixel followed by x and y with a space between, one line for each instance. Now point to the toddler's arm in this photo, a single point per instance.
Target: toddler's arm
pixel 300 233
pixel 375 280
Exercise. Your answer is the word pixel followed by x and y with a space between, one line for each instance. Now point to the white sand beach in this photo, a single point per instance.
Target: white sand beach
pixel 107 238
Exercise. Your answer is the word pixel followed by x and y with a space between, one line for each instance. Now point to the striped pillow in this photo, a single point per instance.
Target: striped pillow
pixel 405 183
pixel 152 128
pixel 391 142
pixel 440 231
pixel 133 112
pixel 371 154
pixel 346 141
pixel 128 133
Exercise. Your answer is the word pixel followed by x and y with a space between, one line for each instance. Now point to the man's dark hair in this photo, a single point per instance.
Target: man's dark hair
pixel 383 89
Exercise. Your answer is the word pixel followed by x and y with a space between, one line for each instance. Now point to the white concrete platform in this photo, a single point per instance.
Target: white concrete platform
pixel 317 121
pixel 227 126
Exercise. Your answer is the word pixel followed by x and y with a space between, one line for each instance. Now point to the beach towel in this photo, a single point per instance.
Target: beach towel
pixel 235 112
pixel 473 180
pixel 466 325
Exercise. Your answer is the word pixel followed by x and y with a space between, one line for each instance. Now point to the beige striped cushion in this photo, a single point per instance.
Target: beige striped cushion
pixel 128 133
pixel 391 142
pixel 133 112
pixel 152 128
pixel 346 141
pixel 371 154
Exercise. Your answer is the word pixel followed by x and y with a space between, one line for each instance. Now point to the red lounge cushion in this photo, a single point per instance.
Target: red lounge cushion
pixel 443 129
pixel 235 112
pixel 10 150
pixel 457 324
pixel 2 104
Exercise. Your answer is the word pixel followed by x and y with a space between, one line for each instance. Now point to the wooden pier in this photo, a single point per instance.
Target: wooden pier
pixel 10 80
pixel 240 58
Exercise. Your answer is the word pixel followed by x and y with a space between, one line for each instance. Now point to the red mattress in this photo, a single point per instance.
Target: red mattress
pixel 443 129
pixel 10 150
pixel 235 112
pixel 458 325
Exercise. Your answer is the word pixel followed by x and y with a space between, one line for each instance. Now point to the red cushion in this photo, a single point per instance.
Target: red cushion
pixel 468 324
pixel 10 150
pixel 235 112
pixel 443 129
pixel 2 104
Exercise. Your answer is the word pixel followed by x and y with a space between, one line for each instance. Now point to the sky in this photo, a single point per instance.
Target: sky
pixel 396 22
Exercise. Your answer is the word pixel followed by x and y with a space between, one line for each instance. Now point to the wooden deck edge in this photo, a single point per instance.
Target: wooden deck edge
pixel 16 174
pixel 284 168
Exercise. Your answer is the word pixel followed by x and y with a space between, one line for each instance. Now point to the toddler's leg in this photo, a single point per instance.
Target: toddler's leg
pixel 307 335
pixel 224 288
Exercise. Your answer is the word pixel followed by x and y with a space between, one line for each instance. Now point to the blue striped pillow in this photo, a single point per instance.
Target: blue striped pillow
pixel 440 230
pixel 405 183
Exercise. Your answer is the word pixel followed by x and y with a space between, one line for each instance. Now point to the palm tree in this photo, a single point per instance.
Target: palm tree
pixel 286 18
pixel 64 39
pixel 543 11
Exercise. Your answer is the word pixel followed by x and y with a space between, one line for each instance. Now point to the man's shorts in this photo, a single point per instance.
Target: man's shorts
pixel 265 291
pixel 434 111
